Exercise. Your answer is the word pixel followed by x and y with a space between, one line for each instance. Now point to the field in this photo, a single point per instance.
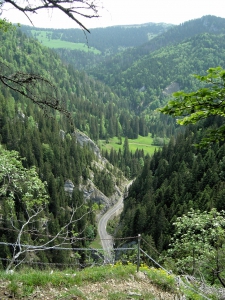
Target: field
pixel 143 142
pixel 44 38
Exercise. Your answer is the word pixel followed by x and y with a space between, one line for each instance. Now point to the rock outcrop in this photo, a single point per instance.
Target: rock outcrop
pixel 172 88
pixel 90 191
pixel 68 186
pixel 83 139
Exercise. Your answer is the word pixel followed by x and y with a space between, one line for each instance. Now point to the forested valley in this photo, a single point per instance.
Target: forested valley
pixel 47 140
pixel 116 94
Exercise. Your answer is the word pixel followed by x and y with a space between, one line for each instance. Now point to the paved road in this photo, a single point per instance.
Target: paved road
pixel 106 239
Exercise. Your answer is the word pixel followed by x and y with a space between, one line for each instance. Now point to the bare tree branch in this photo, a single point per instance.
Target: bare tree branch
pixel 25 84
pixel 70 8
pixel 65 235
pixel 30 85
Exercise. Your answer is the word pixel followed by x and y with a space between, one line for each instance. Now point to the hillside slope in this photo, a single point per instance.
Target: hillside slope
pixel 145 79
pixel 145 76
pixel 109 39
pixel 48 141
pixel 173 35
pixel 90 49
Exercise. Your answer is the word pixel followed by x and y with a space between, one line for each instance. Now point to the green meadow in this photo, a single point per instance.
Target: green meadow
pixel 143 142
pixel 44 38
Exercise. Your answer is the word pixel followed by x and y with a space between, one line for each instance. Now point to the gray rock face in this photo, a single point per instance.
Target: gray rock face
pixel 172 88
pixel 21 114
pixel 62 134
pixel 83 139
pixel 69 186
pixel 90 191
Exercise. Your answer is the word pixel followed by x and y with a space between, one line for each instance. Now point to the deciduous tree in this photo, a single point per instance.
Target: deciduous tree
pixel 24 199
pixel 198 244
pixel 205 102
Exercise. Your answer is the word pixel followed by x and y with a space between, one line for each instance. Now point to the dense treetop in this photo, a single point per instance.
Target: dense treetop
pixel 174 180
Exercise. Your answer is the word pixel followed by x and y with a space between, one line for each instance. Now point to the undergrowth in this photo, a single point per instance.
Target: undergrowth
pixel 25 281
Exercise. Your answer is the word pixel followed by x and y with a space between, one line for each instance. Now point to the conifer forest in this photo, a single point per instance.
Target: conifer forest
pixel 126 85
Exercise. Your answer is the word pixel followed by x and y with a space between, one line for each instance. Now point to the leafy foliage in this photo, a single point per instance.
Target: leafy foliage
pixel 4 25
pixel 24 205
pixel 20 184
pixel 198 243
pixel 205 102
pixel 57 157
pixel 21 191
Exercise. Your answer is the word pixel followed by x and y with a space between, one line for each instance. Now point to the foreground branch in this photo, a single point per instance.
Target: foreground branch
pixel 32 86
pixel 64 234
pixel 70 8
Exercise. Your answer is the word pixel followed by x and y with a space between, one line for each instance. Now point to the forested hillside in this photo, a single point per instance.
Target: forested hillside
pixel 108 41
pixel 83 95
pixel 176 179
pixel 58 157
pixel 47 141
pixel 180 178
pixel 147 78
pixel 174 35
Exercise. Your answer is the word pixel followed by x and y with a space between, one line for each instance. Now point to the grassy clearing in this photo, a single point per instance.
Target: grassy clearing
pixel 45 38
pixel 96 244
pixel 143 142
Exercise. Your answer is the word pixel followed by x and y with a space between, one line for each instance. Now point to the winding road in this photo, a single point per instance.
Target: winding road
pixel 106 239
